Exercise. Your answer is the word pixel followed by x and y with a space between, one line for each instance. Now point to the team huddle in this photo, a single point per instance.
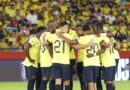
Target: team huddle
pixel 52 51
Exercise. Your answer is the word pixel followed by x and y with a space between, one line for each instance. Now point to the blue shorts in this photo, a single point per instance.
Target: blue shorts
pixel 61 71
pixel 46 71
pixel 30 72
pixel 90 74
pixel 109 73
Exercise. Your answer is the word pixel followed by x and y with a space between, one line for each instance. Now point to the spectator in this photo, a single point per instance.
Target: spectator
pixel 32 17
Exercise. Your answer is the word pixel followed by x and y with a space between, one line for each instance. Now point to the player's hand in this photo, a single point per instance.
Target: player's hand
pixel 89 55
pixel 91 43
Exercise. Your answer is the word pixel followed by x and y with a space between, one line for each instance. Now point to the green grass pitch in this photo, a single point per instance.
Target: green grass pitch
pixel 122 85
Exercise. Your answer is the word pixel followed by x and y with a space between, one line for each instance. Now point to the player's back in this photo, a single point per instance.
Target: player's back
pixel 61 49
pixel 45 57
pixel 92 61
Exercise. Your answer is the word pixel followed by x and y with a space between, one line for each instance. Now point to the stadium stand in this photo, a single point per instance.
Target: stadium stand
pixel 19 17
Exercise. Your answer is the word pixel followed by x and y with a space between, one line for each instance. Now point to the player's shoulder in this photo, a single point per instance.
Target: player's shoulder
pixel 105 38
pixel 66 34
pixel 57 30
pixel 33 37
pixel 90 36
pixel 71 31
pixel 48 33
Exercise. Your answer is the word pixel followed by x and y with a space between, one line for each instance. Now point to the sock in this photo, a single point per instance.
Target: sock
pixel 31 84
pixel 110 87
pixel 99 86
pixel 43 85
pixel 52 85
pixel 71 84
pixel 38 83
pixel 38 78
pixel 58 87
pixel 62 85
pixel 83 86
pixel 113 87
pixel 68 87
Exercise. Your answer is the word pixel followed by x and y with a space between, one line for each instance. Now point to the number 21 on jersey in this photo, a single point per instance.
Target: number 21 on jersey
pixel 59 46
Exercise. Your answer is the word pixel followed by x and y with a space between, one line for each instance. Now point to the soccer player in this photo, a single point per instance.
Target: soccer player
pixel 32 49
pixel 91 60
pixel 80 59
pixel 61 62
pixel 46 57
pixel 72 55
pixel 117 47
pixel 99 76
pixel 108 63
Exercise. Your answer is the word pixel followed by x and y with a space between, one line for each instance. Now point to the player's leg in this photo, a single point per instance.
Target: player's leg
pixel 57 75
pixel 51 80
pixel 66 76
pixel 108 76
pixel 52 84
pixel 45 79
pixel 30 75
pixel 99 80
pixel 79 74
pixel 72 67
pixel 90 76
pixel 38 78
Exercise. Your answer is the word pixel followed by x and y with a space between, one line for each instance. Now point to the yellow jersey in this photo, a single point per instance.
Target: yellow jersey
pixel 92 61
pixel 61 49
pixel 34 52
pixel 45 57
pixel 80 54
pixel 107 58
pixel 75 36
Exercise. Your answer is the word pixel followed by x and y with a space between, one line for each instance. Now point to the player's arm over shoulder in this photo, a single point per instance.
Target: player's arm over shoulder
pixel 48 39
pixel 83 43
pixel 67 38
pixel 105 42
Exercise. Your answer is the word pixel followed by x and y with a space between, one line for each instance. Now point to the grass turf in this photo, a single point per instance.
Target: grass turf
pixel 122 85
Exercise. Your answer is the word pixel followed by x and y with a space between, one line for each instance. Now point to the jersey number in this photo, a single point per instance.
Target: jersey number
pixel 93 49
pixel 57 45
pixel 43 49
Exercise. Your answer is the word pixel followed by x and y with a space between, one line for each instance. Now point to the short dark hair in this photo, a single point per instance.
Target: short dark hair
pixel 86 26
pixel 63 24
pixel 78 25
pixel 40 28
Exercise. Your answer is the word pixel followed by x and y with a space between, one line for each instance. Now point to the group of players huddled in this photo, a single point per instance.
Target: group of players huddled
pixel 51 51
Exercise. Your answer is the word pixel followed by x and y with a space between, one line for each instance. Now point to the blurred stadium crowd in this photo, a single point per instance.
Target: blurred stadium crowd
pixel 19 18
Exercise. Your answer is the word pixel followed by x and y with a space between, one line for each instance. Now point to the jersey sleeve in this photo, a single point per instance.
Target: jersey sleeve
pixel 75 35
pixel 68 36
pixel 106 39
pixel 32 41
pixel 49 38
pixel 81 40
